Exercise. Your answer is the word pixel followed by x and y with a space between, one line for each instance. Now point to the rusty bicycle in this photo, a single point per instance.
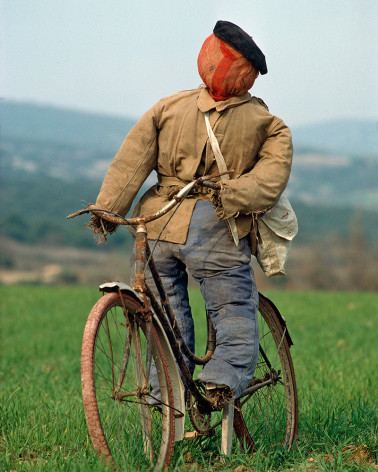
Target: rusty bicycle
pixel 130 332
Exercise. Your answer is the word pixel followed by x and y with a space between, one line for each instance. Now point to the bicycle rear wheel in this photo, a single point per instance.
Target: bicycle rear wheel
pixel 269 416
pixel 119 352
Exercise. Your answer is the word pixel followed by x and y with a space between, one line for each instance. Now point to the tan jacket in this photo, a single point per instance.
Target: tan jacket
pixel 171 138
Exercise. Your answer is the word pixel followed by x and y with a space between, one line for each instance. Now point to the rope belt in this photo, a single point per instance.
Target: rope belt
pixel 167 185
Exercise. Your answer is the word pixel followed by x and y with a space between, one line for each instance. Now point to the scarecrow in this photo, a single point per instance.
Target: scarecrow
pixel 209 236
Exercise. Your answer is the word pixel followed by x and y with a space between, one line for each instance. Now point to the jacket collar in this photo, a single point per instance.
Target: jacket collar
pixel 207 103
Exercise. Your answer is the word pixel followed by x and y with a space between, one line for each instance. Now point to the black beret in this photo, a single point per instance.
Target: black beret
pixel 242 42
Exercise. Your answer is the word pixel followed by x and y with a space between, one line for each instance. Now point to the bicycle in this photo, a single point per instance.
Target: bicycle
pixel 129 333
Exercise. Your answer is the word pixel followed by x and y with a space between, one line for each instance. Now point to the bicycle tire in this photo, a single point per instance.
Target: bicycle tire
pixel 118 353
pixel 269 416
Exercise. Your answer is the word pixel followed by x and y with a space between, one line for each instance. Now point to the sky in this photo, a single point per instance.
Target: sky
pixel 120 57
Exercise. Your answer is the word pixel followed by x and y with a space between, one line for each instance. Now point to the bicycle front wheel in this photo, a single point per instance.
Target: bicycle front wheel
pixel 269 415
pixel 121 351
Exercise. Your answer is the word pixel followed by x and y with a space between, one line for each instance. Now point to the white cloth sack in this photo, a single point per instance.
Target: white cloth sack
pixel 276 229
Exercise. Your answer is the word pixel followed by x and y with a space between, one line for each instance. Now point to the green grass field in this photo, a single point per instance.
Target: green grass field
pixel 335 358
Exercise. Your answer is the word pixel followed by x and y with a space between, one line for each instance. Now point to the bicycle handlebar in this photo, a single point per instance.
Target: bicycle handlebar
pixel 182 193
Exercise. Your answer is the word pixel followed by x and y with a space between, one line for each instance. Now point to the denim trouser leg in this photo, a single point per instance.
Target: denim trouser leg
pixel 232 312
pixel 229 290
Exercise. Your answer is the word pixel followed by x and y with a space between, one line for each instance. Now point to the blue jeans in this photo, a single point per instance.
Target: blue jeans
pixel 228 287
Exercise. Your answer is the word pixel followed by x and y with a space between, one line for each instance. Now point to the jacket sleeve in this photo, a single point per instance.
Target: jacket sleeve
pixel 260 189
pixel 131 166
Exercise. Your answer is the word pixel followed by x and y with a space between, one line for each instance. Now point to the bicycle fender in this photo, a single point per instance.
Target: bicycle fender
pixel 280 317
pixel 177 384
pixel 116 286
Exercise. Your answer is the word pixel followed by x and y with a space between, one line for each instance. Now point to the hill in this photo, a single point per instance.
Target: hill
pixel 58 126
pixel 28 121
pixel 53 161
pixel 335 163
pixel 358 138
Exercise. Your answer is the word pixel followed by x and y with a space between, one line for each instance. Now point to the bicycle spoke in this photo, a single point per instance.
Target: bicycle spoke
pixel 126 356
pixel 102 349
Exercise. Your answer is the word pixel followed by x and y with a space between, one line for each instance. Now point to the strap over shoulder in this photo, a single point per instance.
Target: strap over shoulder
pixel 222 166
